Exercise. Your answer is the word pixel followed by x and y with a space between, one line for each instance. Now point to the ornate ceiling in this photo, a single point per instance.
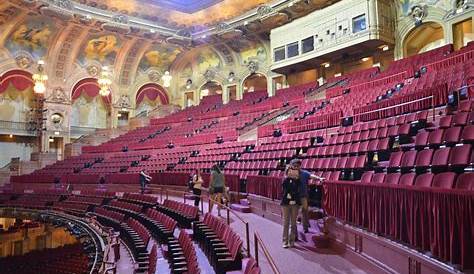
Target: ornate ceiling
pixel 178 13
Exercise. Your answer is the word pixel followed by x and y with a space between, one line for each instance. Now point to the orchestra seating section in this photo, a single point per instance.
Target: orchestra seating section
pixel 61 260
pixel 138 224
pixel 410 125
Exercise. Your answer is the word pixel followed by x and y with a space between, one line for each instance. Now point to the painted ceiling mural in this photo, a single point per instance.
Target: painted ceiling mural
pixel 102 48
pixel 249 50
pixel 178 13
pixel 207 59
pixel 159 56
pixel 32 36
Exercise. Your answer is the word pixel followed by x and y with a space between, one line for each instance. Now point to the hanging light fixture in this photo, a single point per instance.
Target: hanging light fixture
pixel 166 79
pixel 40 79
pixel 104 81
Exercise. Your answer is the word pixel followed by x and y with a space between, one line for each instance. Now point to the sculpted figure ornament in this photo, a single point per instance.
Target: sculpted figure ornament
pixel 418 13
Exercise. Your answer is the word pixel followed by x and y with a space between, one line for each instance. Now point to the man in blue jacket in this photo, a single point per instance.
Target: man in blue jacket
pixel 305 176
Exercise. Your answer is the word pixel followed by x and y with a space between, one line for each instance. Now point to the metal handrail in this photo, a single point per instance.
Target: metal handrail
pixel 258 242
pixel 165 192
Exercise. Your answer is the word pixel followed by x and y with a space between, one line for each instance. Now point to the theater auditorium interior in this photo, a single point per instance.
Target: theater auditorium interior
pixel 236 136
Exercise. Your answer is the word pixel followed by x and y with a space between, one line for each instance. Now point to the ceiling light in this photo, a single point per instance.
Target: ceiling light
pixel 246 23
pixel 51 139
pixel 376 65
pixel 326 65
pixel 337 74
pixel 385 48
pixel 204 36
pixel 365 59
pixel 56 133
pixel 11 135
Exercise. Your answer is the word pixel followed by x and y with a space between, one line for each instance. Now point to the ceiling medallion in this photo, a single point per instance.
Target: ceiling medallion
pixel 64 4
pixel 93 70
pixel 418 13
pixel 120 18
pixel 154 76
pixel 23 61
pixel 264 10
pixel 252 66
pixel 209 74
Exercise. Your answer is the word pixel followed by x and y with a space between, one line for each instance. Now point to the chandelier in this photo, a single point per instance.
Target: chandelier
pixel 104 82
pixel 40 79
pixel 166 79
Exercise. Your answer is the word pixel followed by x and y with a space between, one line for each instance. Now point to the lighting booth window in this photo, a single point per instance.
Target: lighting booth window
pixel 307 44
pixel 292 50
pixel 358 23
pixel 279 54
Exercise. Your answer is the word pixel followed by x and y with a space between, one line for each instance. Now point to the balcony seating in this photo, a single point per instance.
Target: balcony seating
pixel 62 260
pixel 183 213
pixel 182 255
pixel 220 243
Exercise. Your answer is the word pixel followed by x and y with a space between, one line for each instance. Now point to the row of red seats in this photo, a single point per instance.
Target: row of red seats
pixel 446 180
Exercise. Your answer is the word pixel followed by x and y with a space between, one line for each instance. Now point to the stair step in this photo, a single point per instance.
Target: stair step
pixel 241 208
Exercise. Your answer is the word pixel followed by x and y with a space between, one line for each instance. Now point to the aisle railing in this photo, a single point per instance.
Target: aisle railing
pixel 258 242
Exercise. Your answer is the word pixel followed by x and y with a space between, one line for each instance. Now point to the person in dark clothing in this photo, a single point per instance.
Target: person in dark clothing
pixel 290 204
pixel 144 180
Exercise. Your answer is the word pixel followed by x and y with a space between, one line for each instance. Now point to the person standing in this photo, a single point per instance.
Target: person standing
pixel 144 180
pixel 197 185
pixel 304 177
pixel 216 188
pixel 290 204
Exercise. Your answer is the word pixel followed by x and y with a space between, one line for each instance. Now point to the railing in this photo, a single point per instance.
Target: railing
pixel 259 243
pixel 75 130
pixel 164 192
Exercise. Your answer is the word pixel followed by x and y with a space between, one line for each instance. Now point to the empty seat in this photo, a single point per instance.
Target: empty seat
pixel 460 156
pixel 421 139
pixel 392 178
pixel 465 181
pixel 444 180
pixel 407 179
pixel 467 135
pixel 408 159
pixel 378 178
pixel 452 135
pixel 440 157
pixel 465 106
pixel 460 119
pixel 367 177
pixel 445 121
pixel 424 180
pixel 436 137
pixel 423 158
pixel 395 160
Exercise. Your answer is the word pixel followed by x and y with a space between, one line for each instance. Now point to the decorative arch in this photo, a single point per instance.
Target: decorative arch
pixel 90 110
pixel 406 24
pixel 152 91
pixel 90 87
pixel 427 36
pixel 16 92
pixel 261 86
pixel 19 79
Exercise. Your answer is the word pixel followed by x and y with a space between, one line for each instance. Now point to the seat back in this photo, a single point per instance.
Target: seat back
pixel 444 180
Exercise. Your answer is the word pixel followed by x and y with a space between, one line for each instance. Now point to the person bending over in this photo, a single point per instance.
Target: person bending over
pixel 304 176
